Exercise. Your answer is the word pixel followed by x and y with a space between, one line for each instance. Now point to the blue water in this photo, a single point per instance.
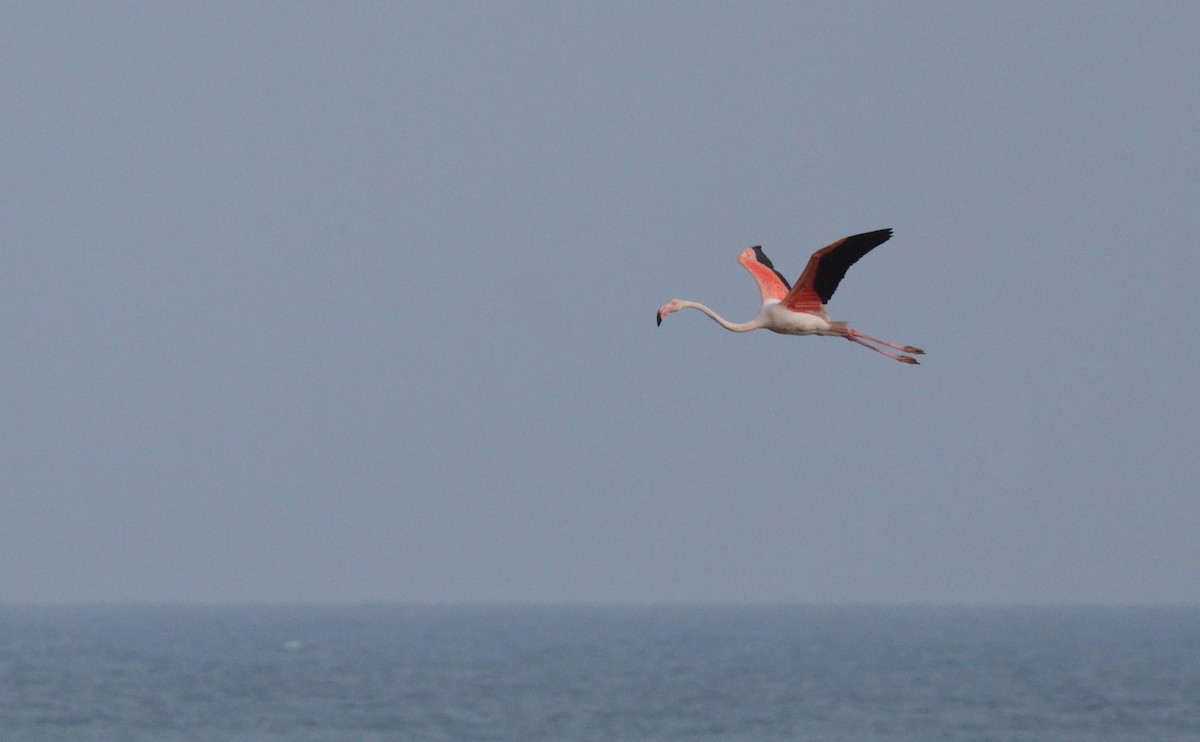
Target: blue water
pixel 492 673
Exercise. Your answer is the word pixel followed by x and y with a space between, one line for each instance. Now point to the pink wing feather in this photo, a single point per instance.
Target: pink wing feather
pixel 771 284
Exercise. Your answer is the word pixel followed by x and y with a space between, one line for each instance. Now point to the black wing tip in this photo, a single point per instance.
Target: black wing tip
pixel 762 258
pixel 843 254
pixel 874 239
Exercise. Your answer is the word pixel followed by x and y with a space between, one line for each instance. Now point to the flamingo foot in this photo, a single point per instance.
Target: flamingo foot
pixel 910 349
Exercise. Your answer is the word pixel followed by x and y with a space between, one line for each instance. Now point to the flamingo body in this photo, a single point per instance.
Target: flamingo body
pixel 800 309
pixel 780 319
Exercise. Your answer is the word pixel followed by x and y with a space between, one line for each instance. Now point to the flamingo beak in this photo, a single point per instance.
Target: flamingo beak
pixel 663 311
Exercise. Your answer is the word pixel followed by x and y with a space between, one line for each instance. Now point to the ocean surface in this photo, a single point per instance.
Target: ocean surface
pixel 591 673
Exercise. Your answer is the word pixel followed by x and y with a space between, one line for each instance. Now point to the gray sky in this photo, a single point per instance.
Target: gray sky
pixel 352 302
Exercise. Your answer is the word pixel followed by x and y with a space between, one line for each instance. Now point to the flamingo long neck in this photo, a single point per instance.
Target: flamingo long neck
pixel 753 324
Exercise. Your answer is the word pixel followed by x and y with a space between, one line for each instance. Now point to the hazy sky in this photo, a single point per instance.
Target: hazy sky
pixel 323 302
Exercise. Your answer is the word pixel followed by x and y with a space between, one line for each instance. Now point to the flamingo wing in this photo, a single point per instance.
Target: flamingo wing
pixel 827 267
pixel 771 283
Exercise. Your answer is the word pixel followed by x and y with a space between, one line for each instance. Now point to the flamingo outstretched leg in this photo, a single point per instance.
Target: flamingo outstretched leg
pixel 854 335
pixel 905 348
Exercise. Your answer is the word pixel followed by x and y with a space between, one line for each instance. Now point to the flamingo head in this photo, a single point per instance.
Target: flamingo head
pixel 672 306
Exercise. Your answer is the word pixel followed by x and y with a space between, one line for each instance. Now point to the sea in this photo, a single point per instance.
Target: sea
pixel 376 672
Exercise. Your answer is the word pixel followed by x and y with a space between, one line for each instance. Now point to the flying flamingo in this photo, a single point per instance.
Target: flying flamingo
pixel 800 309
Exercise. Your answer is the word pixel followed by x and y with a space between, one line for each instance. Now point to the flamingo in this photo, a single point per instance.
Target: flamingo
pixel 800 309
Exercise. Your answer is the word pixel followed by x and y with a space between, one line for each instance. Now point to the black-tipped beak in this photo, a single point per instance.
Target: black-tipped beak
pixel 658 318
